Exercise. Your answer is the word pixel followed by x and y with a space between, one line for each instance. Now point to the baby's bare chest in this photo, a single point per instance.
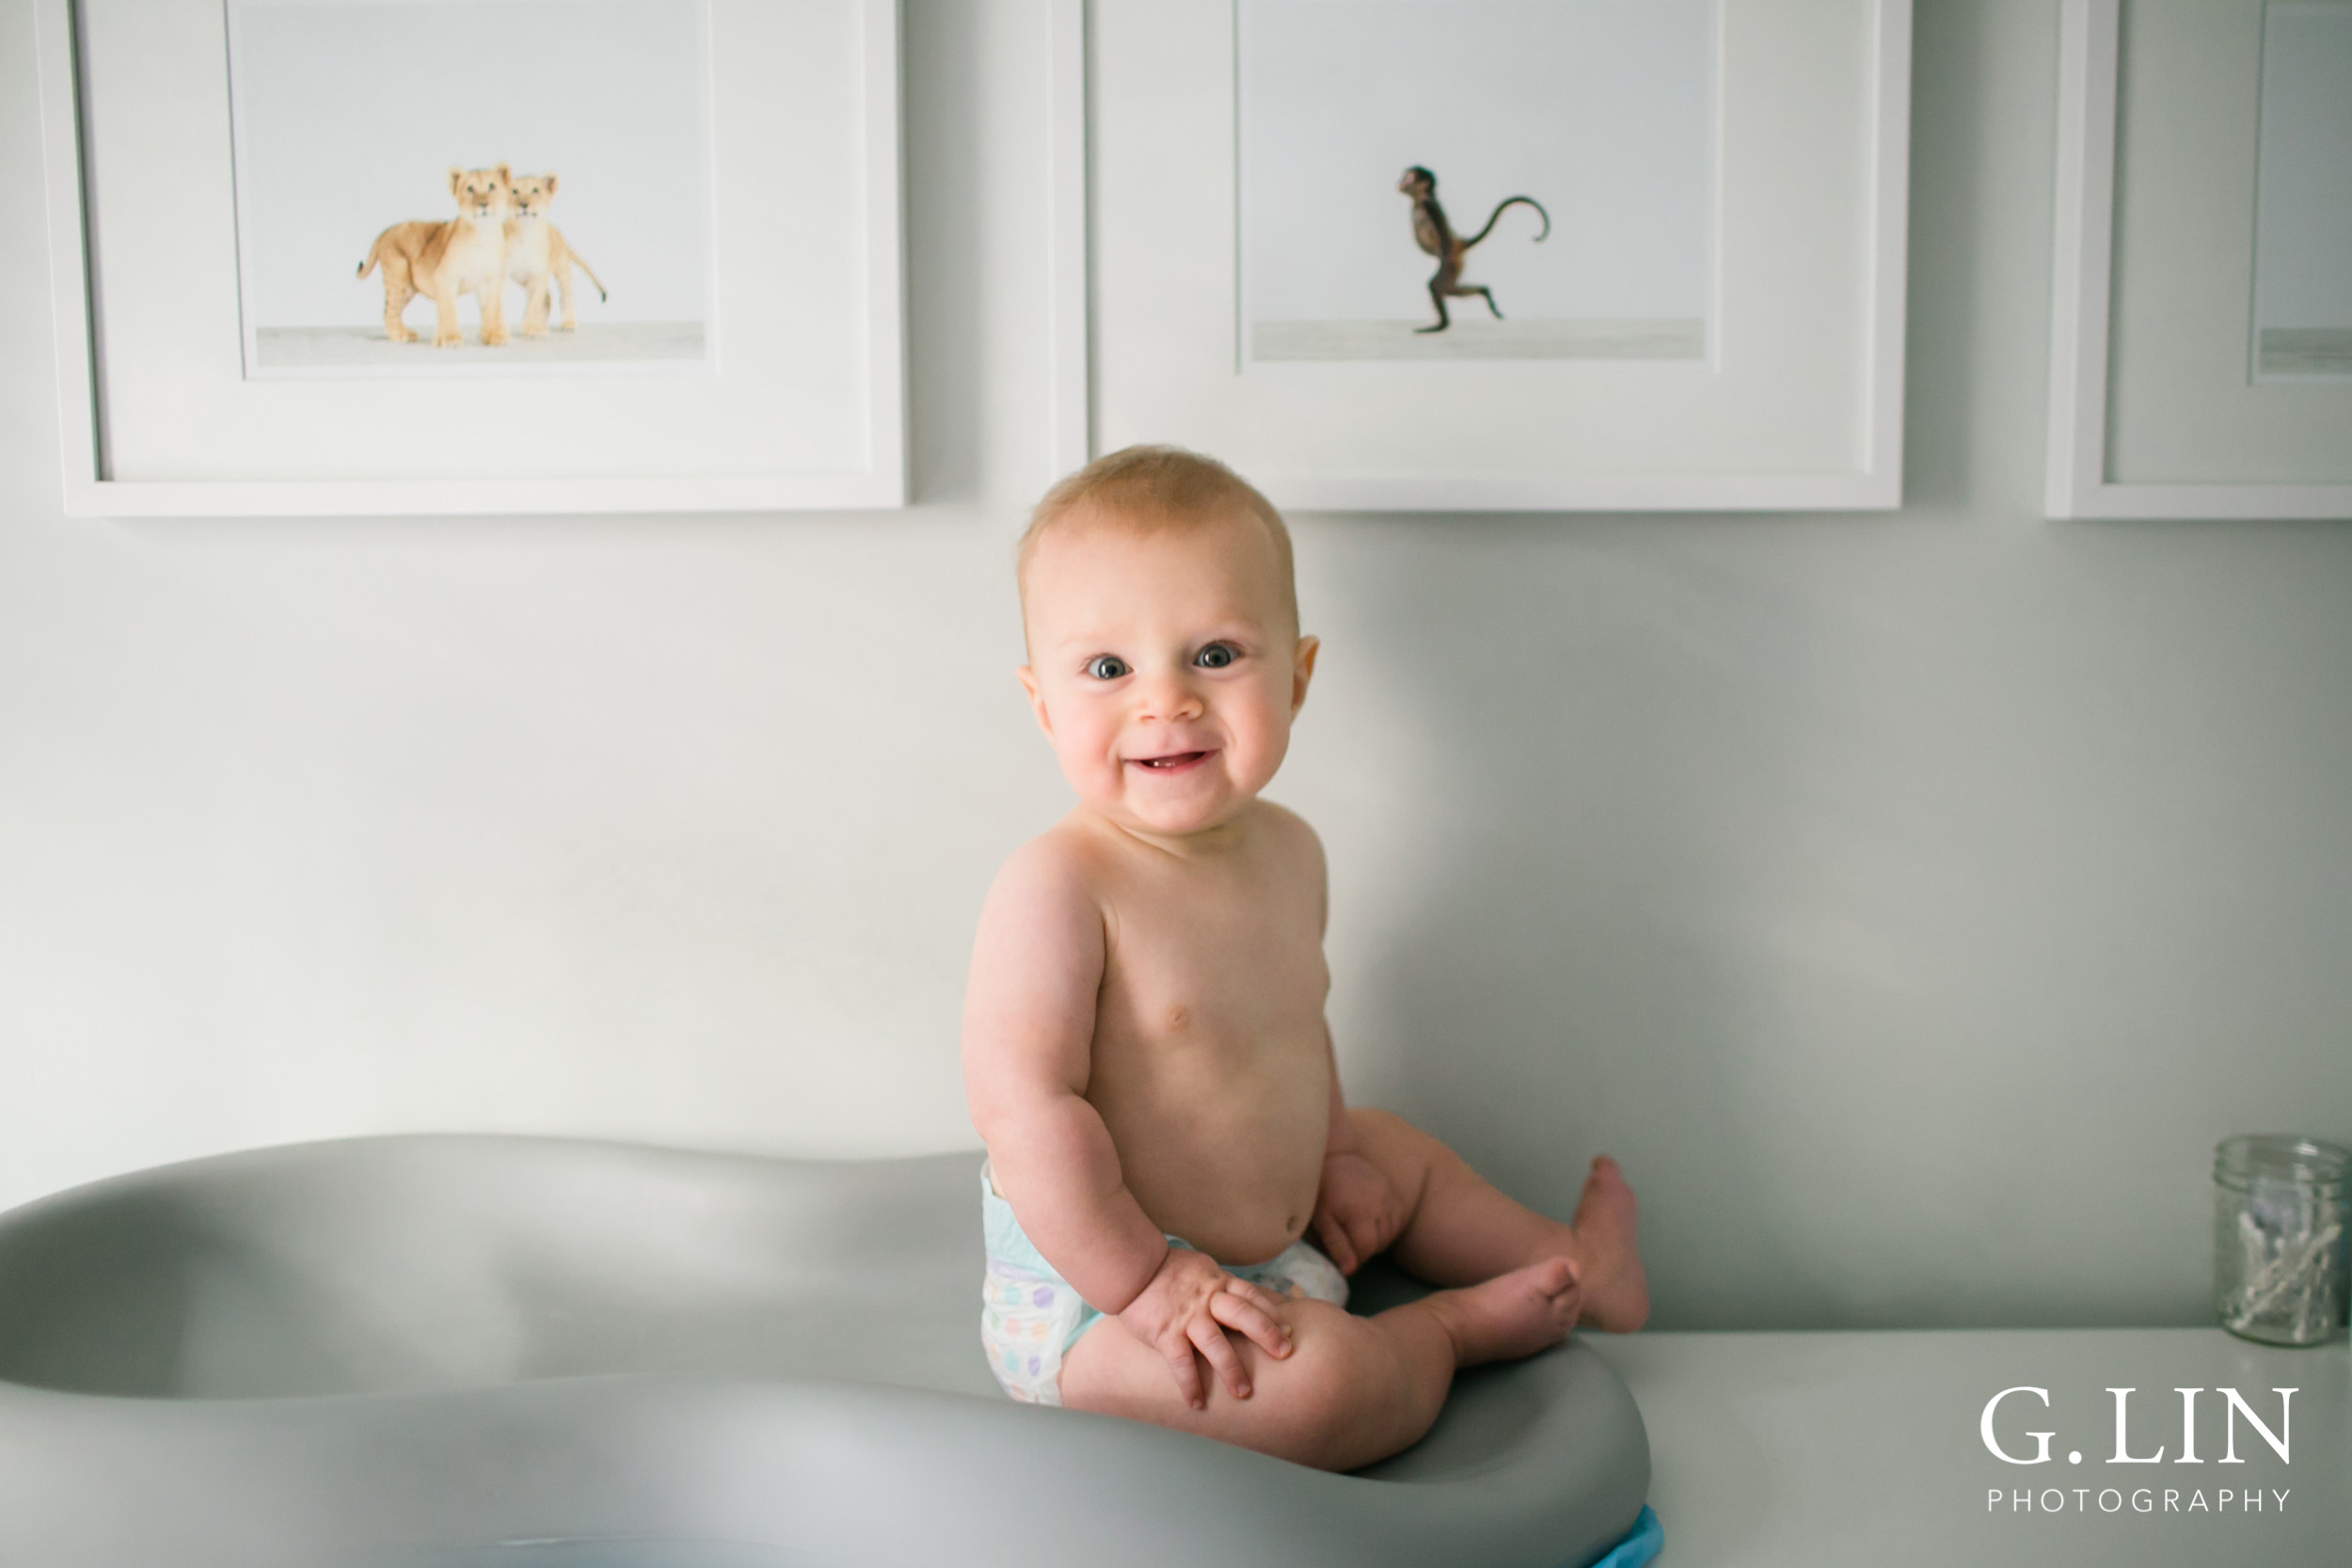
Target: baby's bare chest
pixel 1236 976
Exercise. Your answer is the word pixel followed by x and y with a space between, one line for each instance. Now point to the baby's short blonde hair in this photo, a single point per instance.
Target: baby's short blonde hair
pixel 1153 490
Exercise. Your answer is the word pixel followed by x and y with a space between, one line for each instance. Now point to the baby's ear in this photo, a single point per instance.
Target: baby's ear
pixel 1037 700
pixel 1303 669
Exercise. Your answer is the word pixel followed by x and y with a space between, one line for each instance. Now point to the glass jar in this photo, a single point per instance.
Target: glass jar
pixel 2281 1207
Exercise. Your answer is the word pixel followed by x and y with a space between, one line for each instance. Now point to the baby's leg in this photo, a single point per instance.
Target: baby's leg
pixel 1464 1230
pixel 1353 1390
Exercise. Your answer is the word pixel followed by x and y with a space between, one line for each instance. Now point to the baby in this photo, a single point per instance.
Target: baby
pixel 1144 1044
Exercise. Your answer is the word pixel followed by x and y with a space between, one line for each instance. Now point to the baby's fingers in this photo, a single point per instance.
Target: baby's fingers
pixel 1185 1367
pixel 1248 1314
pixel 1335 1240
pixel 1250 1290
pixel 1208 1340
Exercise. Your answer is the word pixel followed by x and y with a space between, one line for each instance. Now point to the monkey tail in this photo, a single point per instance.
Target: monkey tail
pixel 1506 202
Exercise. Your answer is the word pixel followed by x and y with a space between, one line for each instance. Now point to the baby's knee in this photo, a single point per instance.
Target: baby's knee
pixel 1328 1363
pixel 1344 1394
pixel 1396 1144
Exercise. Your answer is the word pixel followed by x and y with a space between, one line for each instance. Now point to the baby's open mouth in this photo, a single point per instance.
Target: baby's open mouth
pixel 1175 762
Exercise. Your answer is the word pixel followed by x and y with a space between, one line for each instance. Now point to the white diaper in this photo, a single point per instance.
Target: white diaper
pixel 1030 1315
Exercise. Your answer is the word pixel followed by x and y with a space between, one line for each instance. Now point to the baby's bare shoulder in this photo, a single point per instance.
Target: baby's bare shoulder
pixel 1040 951
pixel 1293 856
pixel 1288 837
pixel 1062 862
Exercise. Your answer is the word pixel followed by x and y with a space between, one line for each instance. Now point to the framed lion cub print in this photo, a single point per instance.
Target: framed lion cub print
pixel 321 257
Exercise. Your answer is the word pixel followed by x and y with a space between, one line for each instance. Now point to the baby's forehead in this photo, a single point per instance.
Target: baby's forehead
pixel 1069 559
pixel 1228 537
pixel 1231 534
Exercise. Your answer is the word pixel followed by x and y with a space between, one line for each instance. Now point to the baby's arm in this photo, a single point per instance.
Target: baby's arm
pixel 1028 1035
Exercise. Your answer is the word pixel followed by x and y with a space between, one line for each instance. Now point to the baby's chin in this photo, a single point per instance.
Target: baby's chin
pixel 1176 809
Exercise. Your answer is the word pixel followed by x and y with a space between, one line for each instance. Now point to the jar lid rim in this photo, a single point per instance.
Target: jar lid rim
pixel 2287 1156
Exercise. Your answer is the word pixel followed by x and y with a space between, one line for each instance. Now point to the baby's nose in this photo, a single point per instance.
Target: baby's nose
pixel 1171 697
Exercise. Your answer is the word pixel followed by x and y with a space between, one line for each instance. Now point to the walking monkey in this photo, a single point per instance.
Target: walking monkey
pixel 1435 235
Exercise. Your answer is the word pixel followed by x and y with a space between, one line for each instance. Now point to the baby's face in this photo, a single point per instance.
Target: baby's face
pixel 1165 668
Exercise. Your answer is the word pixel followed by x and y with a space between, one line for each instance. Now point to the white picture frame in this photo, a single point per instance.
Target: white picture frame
pixel 1069 304
pixel 872 472
pixel 2080 478
pixel 1874 441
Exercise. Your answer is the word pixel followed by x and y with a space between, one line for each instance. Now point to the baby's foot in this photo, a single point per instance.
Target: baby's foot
pixel 1616 1292
pixel 1511 1315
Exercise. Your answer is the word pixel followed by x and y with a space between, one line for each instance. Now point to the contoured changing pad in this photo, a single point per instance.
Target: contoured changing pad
pixel 516 1352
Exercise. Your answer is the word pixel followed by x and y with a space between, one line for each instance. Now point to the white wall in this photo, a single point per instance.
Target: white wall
pixel 1911 901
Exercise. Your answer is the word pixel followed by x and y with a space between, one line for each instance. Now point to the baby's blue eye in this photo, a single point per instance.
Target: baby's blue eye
pixel 1217 656
pixel 1106 667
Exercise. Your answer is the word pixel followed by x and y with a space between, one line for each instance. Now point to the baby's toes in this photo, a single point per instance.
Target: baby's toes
pixel 1554 1277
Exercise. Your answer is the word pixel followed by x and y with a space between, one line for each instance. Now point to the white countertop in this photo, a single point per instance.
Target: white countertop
pixel 1864 1448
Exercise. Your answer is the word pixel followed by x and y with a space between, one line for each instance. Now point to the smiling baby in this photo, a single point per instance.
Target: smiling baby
pixel 1144 1042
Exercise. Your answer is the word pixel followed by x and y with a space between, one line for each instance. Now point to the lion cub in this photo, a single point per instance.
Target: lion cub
pixel 536 253
pixel 466 254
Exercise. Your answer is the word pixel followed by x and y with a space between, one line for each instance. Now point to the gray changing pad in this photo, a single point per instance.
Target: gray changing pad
pixel 519 1352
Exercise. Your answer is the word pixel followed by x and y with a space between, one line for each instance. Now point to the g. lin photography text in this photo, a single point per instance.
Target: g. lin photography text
pixel 2237 1498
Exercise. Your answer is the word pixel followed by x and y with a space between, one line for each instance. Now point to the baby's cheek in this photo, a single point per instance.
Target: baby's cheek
pixel 1088 761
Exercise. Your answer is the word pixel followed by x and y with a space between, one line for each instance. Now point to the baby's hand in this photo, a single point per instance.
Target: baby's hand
pixel 1358 1210
pixel 1184 1311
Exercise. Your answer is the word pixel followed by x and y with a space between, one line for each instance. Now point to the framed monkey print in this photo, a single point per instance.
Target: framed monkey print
pixel 1528 255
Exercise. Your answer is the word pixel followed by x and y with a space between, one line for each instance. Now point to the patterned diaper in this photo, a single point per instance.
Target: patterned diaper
pixel 1030 1315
